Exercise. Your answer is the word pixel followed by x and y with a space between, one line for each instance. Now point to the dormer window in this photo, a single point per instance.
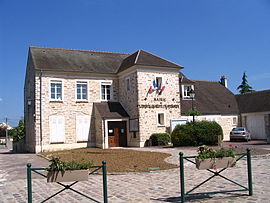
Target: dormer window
pixel 186 91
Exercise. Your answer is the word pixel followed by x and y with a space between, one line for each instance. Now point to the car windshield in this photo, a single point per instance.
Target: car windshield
pixel 238 129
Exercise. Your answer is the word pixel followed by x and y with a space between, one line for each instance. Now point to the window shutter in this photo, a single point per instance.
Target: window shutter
pixel 57 128
pixel 82 128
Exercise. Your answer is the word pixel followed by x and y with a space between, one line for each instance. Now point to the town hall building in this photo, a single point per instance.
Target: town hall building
pixel 79 98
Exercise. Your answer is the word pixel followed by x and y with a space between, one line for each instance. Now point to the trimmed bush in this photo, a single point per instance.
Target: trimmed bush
pixel 196 134
pixel 160 139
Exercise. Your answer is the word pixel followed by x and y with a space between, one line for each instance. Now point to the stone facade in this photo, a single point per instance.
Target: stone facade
pixel 150 104
pixel 136 100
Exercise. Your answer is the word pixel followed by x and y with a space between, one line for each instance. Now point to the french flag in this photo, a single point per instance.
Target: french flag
pixel 162 88
pixel 152 87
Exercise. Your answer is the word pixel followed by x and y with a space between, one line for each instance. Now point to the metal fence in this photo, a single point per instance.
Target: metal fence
pixel 67 187
pixel 185 194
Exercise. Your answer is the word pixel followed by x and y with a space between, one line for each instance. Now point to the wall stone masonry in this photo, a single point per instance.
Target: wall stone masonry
pixel 150 104
pixel 69 108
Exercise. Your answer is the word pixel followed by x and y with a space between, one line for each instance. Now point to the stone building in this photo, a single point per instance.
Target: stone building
pixel 78 98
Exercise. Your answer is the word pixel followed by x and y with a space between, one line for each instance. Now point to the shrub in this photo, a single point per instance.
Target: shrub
pixel 205 152
pixel 59 165
pixel 198 133
pixel 160 139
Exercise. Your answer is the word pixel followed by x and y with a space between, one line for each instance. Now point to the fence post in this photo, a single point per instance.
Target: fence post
pixel 105 189
pixel 29 183
pixel 182 182
pixel 250 193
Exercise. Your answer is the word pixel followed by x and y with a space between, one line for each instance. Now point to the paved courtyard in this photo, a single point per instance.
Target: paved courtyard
pixel 156 186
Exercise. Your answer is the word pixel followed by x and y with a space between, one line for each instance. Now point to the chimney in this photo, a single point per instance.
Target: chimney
pixel 223 81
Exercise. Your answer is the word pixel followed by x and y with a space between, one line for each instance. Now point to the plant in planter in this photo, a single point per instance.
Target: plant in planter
pixel 60 171
pixel 209 158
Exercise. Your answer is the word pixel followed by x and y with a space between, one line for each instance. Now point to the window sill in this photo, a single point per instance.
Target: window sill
pixel 160 125
pixel 57 143
pixel 56 101
pixel 82 101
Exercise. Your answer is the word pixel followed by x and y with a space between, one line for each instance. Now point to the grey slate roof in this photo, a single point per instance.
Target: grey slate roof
pixel 254 101
pixel 111 110
pixel 72 60
pixel 211 98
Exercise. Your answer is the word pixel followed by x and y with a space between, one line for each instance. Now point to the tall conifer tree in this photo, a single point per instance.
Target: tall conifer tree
pixel 245 87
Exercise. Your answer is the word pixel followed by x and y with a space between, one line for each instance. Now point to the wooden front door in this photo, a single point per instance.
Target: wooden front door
pixel 117 133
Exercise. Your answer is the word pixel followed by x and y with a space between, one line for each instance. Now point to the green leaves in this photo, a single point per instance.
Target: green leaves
pixel 205 152
pixel 18 132
pixel 196 134
pixel 59 165
pixel 159 139
pixel 193 113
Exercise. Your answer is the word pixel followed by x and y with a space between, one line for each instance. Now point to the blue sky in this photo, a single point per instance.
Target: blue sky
pixel 209 38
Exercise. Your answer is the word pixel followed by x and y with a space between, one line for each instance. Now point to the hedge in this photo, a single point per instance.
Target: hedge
pixel 197 133
pixel 160 139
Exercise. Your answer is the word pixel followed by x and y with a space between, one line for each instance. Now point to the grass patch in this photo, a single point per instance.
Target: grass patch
pixel 118 160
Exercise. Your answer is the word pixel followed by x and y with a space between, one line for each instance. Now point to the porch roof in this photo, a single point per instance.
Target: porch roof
pixel 111 110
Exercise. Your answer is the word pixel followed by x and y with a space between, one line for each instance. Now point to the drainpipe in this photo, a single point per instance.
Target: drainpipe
pixel 104 137
pixel 40 108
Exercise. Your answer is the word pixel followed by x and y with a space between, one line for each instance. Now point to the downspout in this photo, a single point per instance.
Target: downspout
pixel 104 137
pixel 40 108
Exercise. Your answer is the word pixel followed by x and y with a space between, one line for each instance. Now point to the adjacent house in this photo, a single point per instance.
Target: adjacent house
pixel 212 99
pixel 79 98
pixel 254 109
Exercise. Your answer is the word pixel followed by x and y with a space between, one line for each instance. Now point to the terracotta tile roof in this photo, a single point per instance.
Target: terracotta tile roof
pixel 254 102
pixel 111 110
pixel 73 60
pixel 211 98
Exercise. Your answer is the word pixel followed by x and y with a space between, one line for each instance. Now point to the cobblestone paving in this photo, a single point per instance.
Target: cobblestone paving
pixel 157 186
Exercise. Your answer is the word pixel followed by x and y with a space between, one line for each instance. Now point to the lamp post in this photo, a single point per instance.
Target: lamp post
pixel 192 95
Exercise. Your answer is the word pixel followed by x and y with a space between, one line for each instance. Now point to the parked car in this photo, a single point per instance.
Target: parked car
pixel 240 133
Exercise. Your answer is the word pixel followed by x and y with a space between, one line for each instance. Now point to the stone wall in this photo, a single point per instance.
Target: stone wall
pixel 99 126
pixel 69 108
pixel 129 100
pixel 150 104
pixel 29 106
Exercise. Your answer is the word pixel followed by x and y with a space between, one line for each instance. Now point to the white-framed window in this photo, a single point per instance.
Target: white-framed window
pixel 234 121
pixel 56 90
pixel 161 119
pixel 159 82
pixel 81 91
pixel 106 91
pixel 57 129
pixel 83 128
pixel 127 84
pixel 186 91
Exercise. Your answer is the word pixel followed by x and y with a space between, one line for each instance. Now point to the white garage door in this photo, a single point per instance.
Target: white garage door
pixel 256 127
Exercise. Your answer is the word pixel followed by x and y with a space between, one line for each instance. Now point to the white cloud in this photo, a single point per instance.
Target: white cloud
pixel 1 99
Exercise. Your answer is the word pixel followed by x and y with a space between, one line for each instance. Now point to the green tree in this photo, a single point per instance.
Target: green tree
pixel 245 87
pixel 18 132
